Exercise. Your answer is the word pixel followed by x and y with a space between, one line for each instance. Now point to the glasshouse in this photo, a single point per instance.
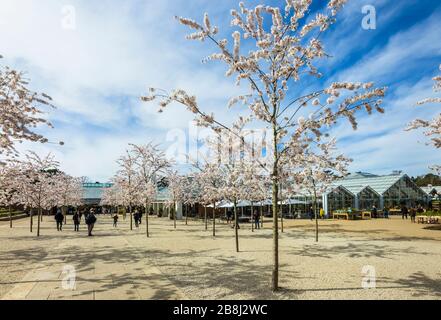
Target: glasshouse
pixel 359 191
pixel 367 190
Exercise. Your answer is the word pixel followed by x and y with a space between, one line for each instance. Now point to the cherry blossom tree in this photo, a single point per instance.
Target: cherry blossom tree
pixel 193 192
pixel 176 191
pixel 151 166
pixel 21 110
pixel 128 180
pixel 112 197
pixel 318 169
pixel 279 54
pixel 9 174
pixel 211 182
pixel 70 192
pixel 432 127
pixel 36 183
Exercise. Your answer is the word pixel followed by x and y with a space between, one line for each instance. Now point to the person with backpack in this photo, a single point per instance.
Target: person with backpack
pixel 256 219
pixel 115 220
pixel 59 218
pixel 404 212
pixel 90 221
pixel 76 219
pixel 140 218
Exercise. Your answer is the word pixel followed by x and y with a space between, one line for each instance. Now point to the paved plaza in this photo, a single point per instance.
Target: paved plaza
pixel 188 263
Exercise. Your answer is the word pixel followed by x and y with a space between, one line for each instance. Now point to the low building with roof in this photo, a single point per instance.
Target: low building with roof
pixel 432 191
pixel 93 192
pixel 364 190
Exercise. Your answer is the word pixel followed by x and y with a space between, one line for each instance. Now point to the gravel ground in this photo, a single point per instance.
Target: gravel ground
pixel 406 258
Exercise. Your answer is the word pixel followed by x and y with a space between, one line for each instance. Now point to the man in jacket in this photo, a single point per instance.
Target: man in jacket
pixel 59 218
pixel 90 221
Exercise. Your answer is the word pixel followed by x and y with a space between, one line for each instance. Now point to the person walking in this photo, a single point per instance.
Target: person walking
pixel 140 217
pixel 59 218
pixel 76 219
pixel 311 213
pixel 136 218
pixel 322 213
pixel 386 212
pixel 404 212
pixel 90 221
pixel 229 216
pixel 256 217
pixel 115 220
pixel 413 213
pixel 374 212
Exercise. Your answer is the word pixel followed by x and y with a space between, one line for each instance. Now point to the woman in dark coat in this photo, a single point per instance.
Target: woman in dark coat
pixel 76 219
pixel 59 218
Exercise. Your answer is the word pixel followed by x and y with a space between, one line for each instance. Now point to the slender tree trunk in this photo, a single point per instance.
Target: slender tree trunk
pixel 275 183
pixel 147 219
pixel 10 217
pixel 65 214
pixel 206 218
pixel 214 219
pixel 316 217
pixel 236 226
pixel 32 220
pixel 174 214
pixel 39 220
pixel 186 214
pixel 252 217
pixel 131 219
pixel 261 216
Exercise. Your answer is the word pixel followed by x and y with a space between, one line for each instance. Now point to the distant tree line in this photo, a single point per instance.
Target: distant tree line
pixel 428 179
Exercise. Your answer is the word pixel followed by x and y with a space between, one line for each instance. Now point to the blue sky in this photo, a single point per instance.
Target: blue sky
pixel 97 70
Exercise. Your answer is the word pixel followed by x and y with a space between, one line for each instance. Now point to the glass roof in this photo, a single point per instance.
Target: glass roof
pixel 379 184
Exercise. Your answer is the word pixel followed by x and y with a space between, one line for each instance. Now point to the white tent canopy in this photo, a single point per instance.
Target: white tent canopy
pixel 243 203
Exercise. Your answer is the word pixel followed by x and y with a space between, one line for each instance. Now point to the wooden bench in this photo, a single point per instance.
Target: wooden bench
pixel 340 215
pixel 366 215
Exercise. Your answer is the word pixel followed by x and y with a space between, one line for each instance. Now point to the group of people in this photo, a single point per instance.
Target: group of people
pixel 412 212
pixel 311 213
pixel 137 216
pixel 90 220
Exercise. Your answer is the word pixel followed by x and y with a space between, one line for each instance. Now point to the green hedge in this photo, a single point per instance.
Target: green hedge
pixel 6 213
